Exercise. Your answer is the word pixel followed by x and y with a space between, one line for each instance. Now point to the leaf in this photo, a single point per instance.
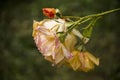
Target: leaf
pixel 87 32
pixel 62 36
pixel 88 29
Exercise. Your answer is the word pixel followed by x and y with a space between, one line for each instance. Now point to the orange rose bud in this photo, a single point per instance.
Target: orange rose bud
pixel 49 12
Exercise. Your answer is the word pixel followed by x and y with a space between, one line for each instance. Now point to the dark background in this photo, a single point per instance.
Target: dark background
pixel 20 59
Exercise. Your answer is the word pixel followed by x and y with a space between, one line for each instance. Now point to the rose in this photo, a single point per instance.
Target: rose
pixel 56 38
pixel 83 61
pixel 48 43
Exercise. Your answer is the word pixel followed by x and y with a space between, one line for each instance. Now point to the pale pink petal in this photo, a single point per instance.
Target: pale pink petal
pixel 66 53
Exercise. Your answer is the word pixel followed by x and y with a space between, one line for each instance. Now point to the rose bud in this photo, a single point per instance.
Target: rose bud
pixel 49 12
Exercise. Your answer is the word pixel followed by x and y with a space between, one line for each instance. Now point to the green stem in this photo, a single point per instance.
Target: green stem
pixel 100 14
pixel 87 18
pixel 93 15
pixel 76 17
pixel 76 23
pixel 83 20
pixel 80 22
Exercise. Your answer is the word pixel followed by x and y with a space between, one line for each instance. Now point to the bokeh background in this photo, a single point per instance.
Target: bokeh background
pixel 20 59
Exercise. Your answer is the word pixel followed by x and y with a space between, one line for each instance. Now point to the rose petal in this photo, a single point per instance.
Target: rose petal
pixel 92 58
pixel 66 53
pixel 74 61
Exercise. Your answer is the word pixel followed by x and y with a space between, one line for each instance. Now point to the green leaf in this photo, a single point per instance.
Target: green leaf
pixel 62 36
pixel 88 29
pixel 87 32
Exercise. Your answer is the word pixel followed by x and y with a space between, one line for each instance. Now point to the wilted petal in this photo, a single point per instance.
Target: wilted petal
pixel 92 58
pixel 47 49
pixel 58 56
pixel 66 53
pixel 70 42
pixel 62 27
pixel 49 24
pixel 81 61
pixel 35 24
pixel 74 61
pixel 86 63
pixel 49 58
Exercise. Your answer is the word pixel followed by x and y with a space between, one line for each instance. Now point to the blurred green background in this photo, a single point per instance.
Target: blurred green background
pixel 20 59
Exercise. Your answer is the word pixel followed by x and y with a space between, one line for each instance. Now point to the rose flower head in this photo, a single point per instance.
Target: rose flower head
pixel 47 41
pixel 83 61
pixel 49 45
